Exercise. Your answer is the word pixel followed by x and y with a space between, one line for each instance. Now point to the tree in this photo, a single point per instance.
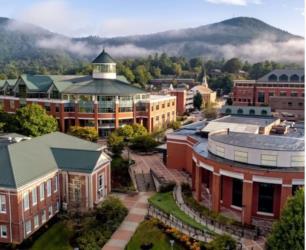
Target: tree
pixel 126 131
pixel 142 76
pixel 33 120
pixel 139 129
pixel 288 232
pixel 175 125
pixel 210 111
pixel 87 133
pixel 197 101
pixel 115 143
pixel 232 66
pixel 222 242
pixel 144 143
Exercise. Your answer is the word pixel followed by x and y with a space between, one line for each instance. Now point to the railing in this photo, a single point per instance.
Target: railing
pixel 234 230
pixel 171 221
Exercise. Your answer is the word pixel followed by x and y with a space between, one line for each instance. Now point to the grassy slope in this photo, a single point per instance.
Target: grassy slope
pixel 146 233
pixel 56 238
pixel 166 203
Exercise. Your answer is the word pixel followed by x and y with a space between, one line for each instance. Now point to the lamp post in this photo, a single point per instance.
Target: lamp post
pixel 242 214
pixel 172 244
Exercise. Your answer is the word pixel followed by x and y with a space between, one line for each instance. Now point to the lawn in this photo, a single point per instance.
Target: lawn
pixel 166 203
pixel 147 232
pixel 55 238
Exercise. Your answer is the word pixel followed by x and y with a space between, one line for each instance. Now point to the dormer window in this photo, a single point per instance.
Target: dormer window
pixel 104 67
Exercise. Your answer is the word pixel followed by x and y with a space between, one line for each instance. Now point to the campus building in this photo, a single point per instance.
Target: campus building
pixel 237 167
pixel 103 100
pixel 39 176
pixel 281 89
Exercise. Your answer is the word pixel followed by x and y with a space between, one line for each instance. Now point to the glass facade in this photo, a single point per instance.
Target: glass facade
pixel 104 68
pixel 106 104
pixel 125 104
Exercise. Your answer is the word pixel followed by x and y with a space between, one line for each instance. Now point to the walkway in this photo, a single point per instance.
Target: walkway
pixel 138 208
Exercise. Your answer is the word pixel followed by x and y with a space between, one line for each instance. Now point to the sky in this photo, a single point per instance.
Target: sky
pixel 110 18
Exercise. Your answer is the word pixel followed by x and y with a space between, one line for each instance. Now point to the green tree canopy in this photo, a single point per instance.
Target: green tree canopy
pixel 197 101
pixel 288 232
pixel 115 143
pixel 126 131
pixel 34 121
pixel 232 66
pixel 139 130
pixel 87 133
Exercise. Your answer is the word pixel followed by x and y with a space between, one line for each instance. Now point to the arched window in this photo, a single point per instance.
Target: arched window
pixel 264 112
pixel 283 78
pixel 294 78
pixel 240 111
pixel 252 112
pixel 228 111
pixel 272 78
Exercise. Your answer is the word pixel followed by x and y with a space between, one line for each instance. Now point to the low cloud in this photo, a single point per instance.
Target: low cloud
pixel 128 50
pixel 65 44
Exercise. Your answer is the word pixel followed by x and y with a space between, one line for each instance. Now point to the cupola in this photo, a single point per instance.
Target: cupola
pixel 104 67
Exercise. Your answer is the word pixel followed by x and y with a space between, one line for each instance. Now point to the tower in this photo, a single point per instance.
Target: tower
pixel 104 67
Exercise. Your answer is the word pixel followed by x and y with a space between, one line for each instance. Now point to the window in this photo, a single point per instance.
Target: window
pixel 241 156
pixel 301 104
pixel 57 206
pixel 43 216
pixel 100 182
pixel 157 118
pixel 271 93
pixel 220 151
pixel 228 111
pixel 47 107
pixel 240 111
pixel 36 221
pixel 3 231
pixel 2 203
pixel 283 78
pixel 55 183
pixel 261 97
pixel 265 197
pixel 264 112
pixel 42 191
pixel 12 104
pixel 272 78
pixel 294 94
pixel 34 196
pixel 57 108
pixel 163 106
pixel 268 160
pixel 49 211
pixel 294 78
pixel 26 203
pixel 173 103
pixel 297 160
pixel 289 104
pixel 252 112
pixel 28 227
pixel 237 192
pixel 157 107
pixel 283 93
pixel 48 188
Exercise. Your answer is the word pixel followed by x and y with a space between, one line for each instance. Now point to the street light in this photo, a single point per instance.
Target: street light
pixel 242 214
pixel 171 243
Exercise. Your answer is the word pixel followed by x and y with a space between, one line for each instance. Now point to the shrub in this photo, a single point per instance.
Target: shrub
pixel 222 242
pixel 144 143
pixel 87 133
pixel 175 125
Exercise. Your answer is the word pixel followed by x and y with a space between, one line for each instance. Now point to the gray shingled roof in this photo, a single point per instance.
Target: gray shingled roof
pixel 25 161
pixel 264 142
pixel 279 72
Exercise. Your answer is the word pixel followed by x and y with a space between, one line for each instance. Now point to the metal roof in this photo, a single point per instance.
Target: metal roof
pixel 103 58
pixel 28 160
pixel 279 72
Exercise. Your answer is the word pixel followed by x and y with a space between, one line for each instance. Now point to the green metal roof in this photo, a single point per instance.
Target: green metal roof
pixel 104 87
pixel 2 82
pixel 28 160
pixel 39 83
pixel 103 58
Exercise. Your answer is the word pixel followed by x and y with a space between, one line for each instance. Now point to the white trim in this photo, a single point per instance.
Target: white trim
pixel 271 180
pixel 247 181
pixel 297 181
pixel 232 174
pixel 264 213
pixel 180 143
pixel 217 174
pixel 176 137
pixel 236 207
pixel 286 185
pixel 207 167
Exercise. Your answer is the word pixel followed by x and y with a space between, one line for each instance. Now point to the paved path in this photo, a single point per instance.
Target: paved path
pixel 138 208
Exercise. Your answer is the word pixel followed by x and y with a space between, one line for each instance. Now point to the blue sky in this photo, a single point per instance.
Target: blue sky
pixel 127 17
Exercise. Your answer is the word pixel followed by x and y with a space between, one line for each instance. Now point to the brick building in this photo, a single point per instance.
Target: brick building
pixel 239 169
pixel 41 175
pixel 184 100
pixel 103 100
pixel 282 90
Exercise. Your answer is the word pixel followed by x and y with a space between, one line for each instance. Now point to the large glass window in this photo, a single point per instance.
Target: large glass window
pixel 265 198
pixel 86 107
pixel 69 107
pixel 48 188
pixel 237 192
pixel 106 104
pixel 55 94
pixel 42 191
pixel 3 231
pixel 36 221
pixel 125 104
pixel 22 90
pixel 34 196
pixel 26 203
pixel 28 227
pixel 104 68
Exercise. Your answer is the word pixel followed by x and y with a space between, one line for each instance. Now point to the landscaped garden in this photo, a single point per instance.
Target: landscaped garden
pixel 88 231
pixel 166 203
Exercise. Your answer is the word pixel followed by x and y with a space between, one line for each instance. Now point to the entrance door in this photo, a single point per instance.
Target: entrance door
pixel 237 193
pixel 265 197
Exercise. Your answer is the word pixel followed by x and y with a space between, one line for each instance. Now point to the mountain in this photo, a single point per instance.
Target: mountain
pixel 244 37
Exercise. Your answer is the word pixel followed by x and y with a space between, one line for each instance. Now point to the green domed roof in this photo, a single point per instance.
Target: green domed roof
pixel 104 58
